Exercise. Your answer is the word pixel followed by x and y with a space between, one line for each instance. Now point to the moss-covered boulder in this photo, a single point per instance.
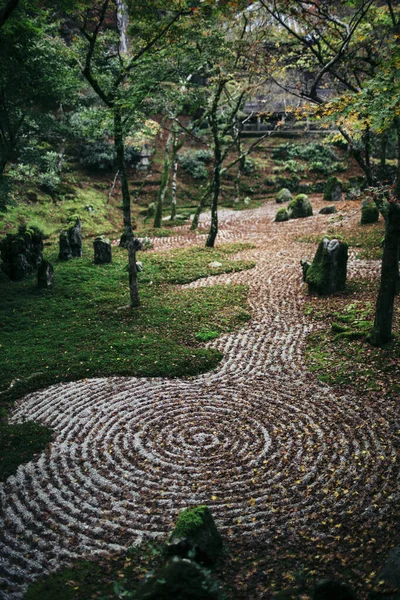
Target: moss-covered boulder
pixel 328 270
pixel 284 195
pixel 151 210
pixel 369 212
pixel 179 579
pixel 282 215
pixel 102 250
pixel 195 536
pixel 333 189
pixel 300 207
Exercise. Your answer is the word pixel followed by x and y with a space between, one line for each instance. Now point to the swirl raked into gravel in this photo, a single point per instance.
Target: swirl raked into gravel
pixel 259 440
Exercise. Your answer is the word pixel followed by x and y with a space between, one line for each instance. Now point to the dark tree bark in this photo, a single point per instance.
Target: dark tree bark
pixel 7 11
pixel 164 180
pixel 382 331
pixel 217 166
pixel 128 237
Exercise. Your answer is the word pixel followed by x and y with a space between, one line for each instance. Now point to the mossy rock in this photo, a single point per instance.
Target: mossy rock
pixel 284 195
pixel 333 189
pixel 300 207
pixel 328 210
pixel 328 270
pixel 196 536
pixel 282 215
pixel 179 579
pixel 369 213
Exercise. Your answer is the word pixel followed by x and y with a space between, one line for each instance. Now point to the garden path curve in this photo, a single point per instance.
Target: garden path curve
pixel 259 439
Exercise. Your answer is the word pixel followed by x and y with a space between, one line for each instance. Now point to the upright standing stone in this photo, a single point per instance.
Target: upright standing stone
pixel 75 239
pixel 64 246
pixel 70 242
pixel 333 189
pixel 45 275
pixel 328 271
pixel 102 250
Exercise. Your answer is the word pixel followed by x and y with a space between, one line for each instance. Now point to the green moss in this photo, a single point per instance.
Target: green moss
pixel 331 185
pixel 282 215
pixel 369 213
pixel 19 443
pixel 300 207
pixel 284 195
pixel 190 520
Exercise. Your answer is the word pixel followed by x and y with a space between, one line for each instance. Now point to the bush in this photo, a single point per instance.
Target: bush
pixel 98 156
pixel 194 163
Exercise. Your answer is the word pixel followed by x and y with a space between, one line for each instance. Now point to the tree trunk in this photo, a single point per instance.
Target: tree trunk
pixel 173 190
pixel 382 330
pixel 199 210
pixel 128 237
pixel 164 180
pixel 214 207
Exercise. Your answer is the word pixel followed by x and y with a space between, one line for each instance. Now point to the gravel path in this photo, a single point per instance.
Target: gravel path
pixel 259 439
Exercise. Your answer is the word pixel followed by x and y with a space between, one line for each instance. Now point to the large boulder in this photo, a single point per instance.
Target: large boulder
pixel 179 579
pixel 369 212
pixel 21 252
pixel 102 250
pixel 195 536
pixel 328 271
pixel 300 207
pixel 333 189
pixel 284 195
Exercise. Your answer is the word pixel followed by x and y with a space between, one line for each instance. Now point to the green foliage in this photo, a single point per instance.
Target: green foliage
pixel 157 340
pixel 19 443
pixel 194 163
pixel 189 521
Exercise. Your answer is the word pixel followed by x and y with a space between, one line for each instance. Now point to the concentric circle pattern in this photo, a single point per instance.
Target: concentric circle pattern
pixel 259 440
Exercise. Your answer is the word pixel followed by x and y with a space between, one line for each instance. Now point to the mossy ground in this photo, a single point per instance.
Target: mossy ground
pixel 79 330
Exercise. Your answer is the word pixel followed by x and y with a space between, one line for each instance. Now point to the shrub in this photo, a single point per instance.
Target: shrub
pixel 194 163
pixel 369 212
pixel 98 156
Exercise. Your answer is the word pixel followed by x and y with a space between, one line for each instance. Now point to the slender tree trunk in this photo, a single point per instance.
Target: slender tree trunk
pixel 128 238
pixel 173 190
pixel 200 208
pixel 164 180
pixel 382 330
pixel 217 167
pixel 214 206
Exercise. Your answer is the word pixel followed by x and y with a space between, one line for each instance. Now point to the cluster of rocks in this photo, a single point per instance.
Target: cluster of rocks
pixel 21 252
pixel 298 208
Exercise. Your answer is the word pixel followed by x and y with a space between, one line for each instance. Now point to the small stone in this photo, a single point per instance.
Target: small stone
pixel 305 265
pixel 89 208
pixel 215 264
pixel 75 239
pixel 64 252
pixel 102 250
pixel 328 210
pixel 282 215
pixel 45 275
pixel 139 266
pixel 247 201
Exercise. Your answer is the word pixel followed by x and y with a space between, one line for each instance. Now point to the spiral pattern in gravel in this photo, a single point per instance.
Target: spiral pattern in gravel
pixel 259 440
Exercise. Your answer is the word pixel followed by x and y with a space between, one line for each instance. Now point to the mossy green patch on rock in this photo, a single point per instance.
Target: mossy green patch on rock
pixel 333 189
pixel 284 195
pixel 300 207
pixel 328 271
pixel 282 215
pixel 369 213
pixel 196 536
